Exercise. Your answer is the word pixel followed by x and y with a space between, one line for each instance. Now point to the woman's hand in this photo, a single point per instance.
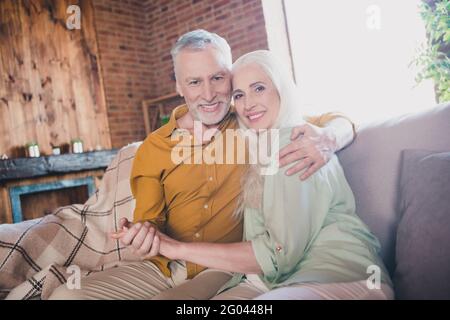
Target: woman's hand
pixel 169 247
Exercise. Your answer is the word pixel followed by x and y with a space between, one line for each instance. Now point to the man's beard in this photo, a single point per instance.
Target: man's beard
pixel 214 119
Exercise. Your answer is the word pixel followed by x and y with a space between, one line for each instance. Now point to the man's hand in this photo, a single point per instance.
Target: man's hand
pixel 312 145
pixel 142 238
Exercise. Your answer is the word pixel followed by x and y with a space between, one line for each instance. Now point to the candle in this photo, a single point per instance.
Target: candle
pixel 33 150
pixel 77 146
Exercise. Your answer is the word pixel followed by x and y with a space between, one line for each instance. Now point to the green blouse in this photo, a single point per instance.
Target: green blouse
pixel 308 231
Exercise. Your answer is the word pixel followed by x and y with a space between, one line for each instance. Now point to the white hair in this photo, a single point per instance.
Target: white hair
pixel 289 115
pixel 198 40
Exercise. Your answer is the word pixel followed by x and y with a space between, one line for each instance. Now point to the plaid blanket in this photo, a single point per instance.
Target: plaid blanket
pixel 35 255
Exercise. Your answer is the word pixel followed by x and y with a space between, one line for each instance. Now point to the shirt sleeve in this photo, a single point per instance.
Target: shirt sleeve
pixel 146 187
pixel 294 212
pixel 324 119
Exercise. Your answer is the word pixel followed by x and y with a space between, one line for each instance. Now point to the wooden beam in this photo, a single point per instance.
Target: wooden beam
pixel 24 168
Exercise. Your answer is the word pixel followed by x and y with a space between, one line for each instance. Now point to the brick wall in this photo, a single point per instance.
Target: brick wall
pixel 135 38
pixel 240 22
pixel 125 64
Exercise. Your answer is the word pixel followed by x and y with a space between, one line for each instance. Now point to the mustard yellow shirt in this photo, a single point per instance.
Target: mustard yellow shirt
pixel 189 202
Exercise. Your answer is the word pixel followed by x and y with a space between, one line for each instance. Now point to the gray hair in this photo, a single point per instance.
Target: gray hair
pixel 199 39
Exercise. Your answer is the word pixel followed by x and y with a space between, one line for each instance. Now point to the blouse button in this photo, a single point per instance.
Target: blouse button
pixel 279 248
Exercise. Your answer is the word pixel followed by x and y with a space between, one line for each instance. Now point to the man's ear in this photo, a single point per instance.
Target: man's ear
pixel 178 88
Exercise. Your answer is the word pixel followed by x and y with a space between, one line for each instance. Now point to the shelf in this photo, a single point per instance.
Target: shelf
pixel 25 168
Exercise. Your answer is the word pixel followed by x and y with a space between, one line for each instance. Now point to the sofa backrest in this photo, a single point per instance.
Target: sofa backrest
pixel 372 166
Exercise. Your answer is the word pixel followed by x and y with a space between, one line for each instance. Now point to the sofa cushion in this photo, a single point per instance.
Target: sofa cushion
pixel 372 166
pixel 423 235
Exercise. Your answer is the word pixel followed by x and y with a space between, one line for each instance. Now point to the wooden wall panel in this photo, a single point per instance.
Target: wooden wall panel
pixel 51 89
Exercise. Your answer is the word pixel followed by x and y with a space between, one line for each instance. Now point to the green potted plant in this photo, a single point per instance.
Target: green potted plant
pixel 433 58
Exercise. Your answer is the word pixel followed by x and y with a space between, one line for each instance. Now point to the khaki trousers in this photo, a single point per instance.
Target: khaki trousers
pixel 143 281
pixel 357 290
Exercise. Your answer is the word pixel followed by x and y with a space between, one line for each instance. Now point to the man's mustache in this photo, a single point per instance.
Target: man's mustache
pixel 209 103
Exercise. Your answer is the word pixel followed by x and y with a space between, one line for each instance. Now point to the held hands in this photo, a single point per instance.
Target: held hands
pixel 312 145
pixel 143 239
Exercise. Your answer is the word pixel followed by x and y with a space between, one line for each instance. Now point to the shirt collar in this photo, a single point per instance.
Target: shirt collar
pixel 167 129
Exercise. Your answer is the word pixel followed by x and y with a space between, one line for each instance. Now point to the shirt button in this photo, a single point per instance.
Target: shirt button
pixel 205 206
pixel 197 235
pixel 279 248
pixel 210 178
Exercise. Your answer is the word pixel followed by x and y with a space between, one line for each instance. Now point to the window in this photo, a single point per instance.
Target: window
pixel 354 55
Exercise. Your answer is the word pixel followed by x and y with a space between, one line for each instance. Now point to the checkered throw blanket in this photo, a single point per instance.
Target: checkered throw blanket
pixel 36 255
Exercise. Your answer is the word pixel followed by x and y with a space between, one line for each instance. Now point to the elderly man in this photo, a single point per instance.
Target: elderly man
pixel 195 202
